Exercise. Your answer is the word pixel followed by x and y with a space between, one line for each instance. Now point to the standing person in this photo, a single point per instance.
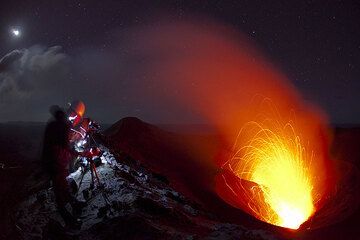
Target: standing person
pixel 57 154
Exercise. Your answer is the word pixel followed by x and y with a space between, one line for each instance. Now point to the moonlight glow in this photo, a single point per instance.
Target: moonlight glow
pixel 15 32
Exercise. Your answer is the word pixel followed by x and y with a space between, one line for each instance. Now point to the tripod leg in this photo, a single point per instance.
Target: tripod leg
pixel 92 185
pixel 82 178
pixel 96 174
pixel 107 200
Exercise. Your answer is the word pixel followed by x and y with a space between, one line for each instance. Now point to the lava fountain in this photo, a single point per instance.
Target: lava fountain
pixel 272 154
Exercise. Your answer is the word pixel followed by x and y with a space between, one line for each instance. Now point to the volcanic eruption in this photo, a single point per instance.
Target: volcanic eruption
pixel 274 162
pixel 272 154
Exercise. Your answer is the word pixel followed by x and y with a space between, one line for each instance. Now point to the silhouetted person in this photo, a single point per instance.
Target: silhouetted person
pixel 57 154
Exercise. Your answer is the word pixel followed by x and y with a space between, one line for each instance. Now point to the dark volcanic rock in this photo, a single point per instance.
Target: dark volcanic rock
pixel 132 204
pixel 151 207
pixel 185 161
pixel 153 190
pixel 128 227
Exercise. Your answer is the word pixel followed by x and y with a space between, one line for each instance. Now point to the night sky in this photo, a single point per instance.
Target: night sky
pixel 76 50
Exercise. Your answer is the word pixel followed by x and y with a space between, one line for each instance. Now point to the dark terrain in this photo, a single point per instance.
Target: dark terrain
pixel 179 164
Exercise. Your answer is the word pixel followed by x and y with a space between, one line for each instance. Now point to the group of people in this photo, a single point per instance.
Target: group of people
pixel 63 133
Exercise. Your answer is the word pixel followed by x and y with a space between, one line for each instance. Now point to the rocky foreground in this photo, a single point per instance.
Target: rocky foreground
pixel 134 203
pixel 156 185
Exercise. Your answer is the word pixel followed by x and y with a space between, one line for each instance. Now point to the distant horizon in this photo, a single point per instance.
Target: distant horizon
pixel 156 124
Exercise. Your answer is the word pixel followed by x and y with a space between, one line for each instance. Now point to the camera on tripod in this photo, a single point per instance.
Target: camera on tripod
pixel 89 154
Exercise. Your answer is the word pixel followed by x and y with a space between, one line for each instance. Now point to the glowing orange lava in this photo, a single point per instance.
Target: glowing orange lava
pixel 272 155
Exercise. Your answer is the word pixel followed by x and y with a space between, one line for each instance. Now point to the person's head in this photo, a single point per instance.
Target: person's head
pixel 76 112
pixel 57 112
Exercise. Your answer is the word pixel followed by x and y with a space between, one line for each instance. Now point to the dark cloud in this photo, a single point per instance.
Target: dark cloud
pixel 23 71
pixel 30 81
pixel 33 79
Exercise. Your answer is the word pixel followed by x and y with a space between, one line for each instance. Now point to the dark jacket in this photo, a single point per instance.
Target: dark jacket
pixel 56 148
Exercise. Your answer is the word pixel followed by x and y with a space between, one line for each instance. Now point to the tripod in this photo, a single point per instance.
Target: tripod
pixel 90 151
pixel 94 175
